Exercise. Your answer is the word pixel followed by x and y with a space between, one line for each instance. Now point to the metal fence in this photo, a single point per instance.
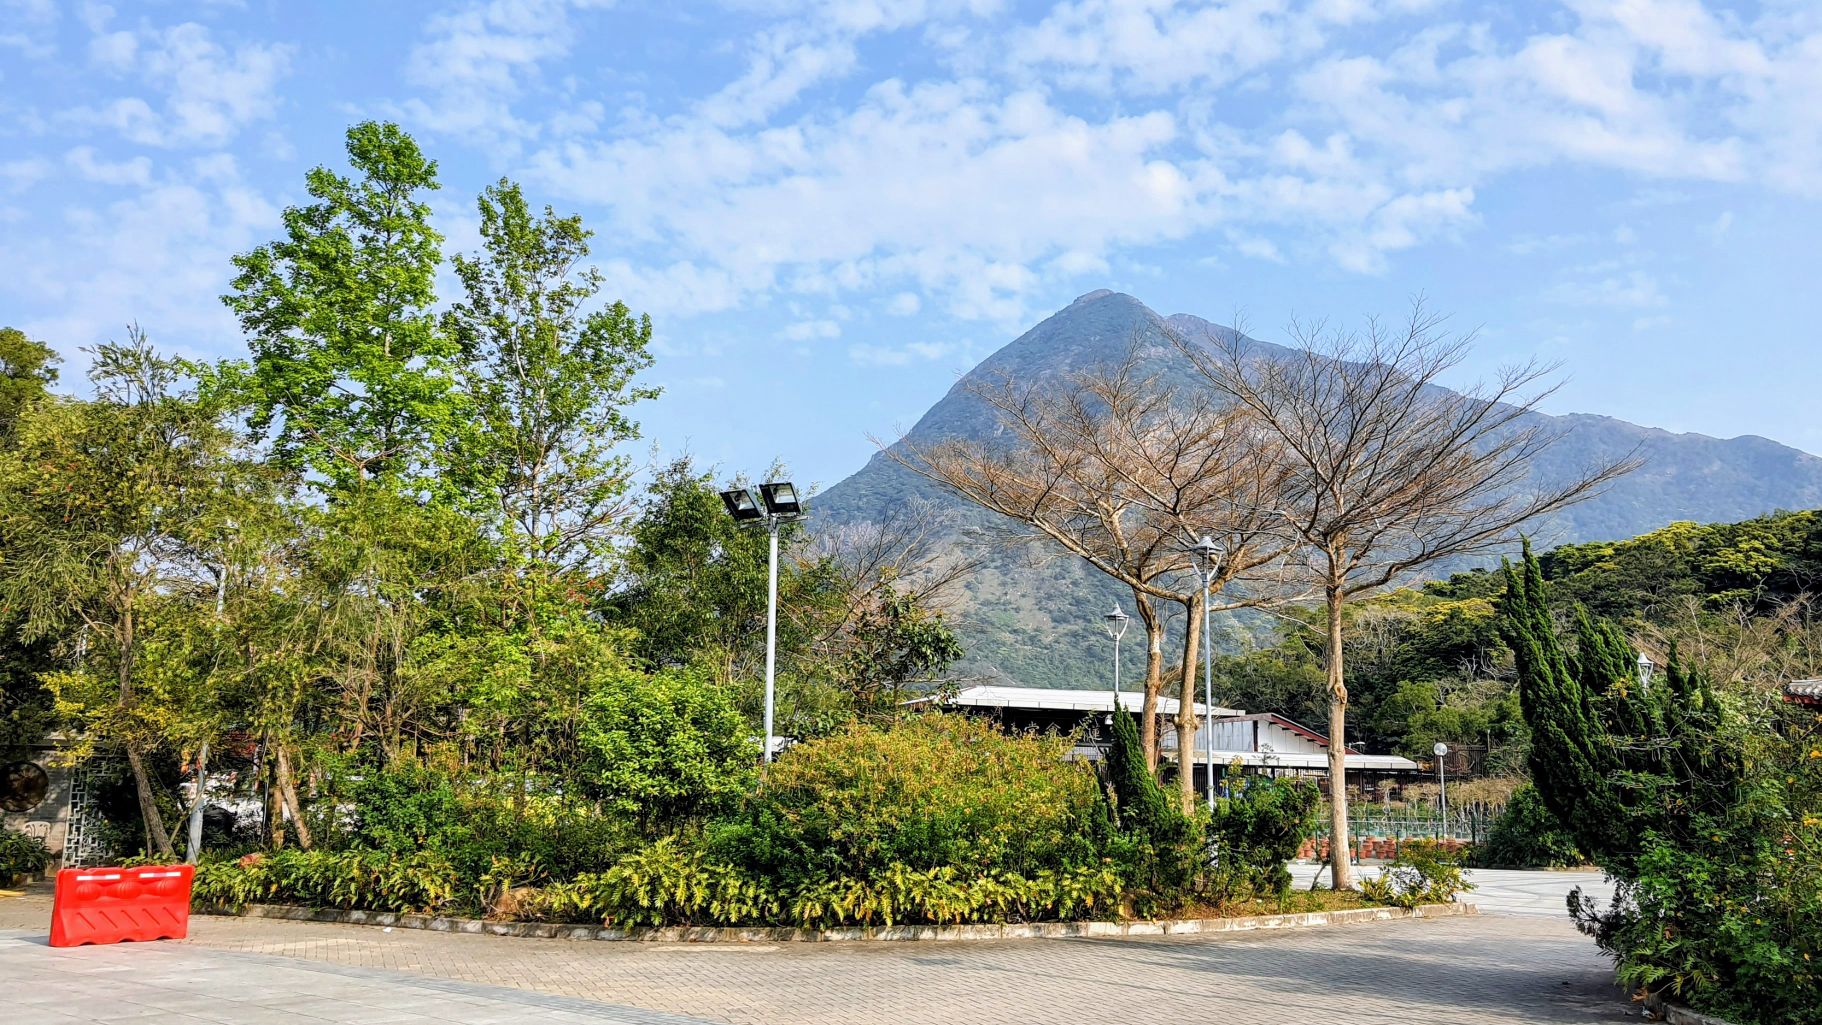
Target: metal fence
pixel 1470 822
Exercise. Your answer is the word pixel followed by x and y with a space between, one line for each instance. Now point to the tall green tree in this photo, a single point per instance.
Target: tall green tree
pixel 551 382
pixel 350 371
pixel 1571 761
pixel 105 506
pixel 27 370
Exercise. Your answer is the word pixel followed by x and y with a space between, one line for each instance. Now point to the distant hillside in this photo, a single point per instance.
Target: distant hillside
pixel 1034 617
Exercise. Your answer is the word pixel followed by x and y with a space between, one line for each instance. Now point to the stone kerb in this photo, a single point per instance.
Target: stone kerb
pixel 889 933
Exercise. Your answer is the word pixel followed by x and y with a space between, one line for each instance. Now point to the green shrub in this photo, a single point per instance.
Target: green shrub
pixel 1424 872
pixel 1160 851
pixel 21 855
pixel 939 791
pixel 666 748
pixel 1723 911
pixel 1255 832
pixel 673 883
pixel 478 826
pixel 1527 835
pixel 408 807
pixel 371 880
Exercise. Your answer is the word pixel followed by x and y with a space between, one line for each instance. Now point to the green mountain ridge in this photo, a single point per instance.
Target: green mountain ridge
pixel 1033 617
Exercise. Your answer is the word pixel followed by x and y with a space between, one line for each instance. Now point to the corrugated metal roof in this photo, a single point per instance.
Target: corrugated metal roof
pixel 1804 690
pixel 1045 698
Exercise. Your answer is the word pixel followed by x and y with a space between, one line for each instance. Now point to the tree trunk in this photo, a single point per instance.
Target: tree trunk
pixel 1341 870
pixel 288 793
pixel 126 638
pixel 156 836
pixel 1154 677
pixel 1186 703
pixel 275 817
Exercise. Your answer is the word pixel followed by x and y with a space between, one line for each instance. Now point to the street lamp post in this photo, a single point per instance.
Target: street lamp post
pixel 1645 668
pixel 1116 628
pixel 1441 751
pixel 1209 557
pixel 781 504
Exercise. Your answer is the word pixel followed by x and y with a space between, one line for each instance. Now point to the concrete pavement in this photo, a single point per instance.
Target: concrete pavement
pixel 1526 965
pixel 1541 894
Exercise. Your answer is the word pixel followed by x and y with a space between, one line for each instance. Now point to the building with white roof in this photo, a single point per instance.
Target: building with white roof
pixel 1263 742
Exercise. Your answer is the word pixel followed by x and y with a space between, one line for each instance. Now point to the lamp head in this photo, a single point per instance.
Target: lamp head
pixel 742 505
pixel 781 498
pixel 1116 622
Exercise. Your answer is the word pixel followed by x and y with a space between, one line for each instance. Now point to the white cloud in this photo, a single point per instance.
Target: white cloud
pixel 904 304
pixel 157 257
pixel 208 92
pixel 20 175
pixel 28 27
pixel 808 330
pixel 947 185
pixel 1633 289
pixel 900 356
pixel 1152 46
pixel 879 356
pixel 89 167
pixel 1257 248
pixel 983 188
pixel 475 61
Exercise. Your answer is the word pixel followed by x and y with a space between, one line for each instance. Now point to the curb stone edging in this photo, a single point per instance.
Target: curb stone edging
pixel 948 933
pixel 1677 1014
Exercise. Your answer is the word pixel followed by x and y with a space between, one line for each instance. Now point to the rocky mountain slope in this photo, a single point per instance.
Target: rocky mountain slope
pixel 1034 617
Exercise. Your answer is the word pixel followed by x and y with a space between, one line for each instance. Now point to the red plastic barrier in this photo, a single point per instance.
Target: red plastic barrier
pixel 108 905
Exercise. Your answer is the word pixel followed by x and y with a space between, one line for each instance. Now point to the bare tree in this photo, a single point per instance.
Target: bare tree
pixel 1389 472
pixel 1124 471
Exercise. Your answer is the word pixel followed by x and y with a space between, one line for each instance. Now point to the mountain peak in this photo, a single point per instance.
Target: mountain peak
pixel 1034 618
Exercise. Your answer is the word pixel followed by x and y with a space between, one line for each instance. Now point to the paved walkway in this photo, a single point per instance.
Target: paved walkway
pixel 1528 967
pixel 1542 894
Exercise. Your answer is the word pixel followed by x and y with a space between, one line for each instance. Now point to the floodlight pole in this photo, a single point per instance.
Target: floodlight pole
pixel 771 627
pixel 781 503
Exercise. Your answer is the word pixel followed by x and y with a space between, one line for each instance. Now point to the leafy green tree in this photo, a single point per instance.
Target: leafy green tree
pixel 350 371
pixel 27 370
pixel 551 384
pixel 1703 807
pixel 1256 828
pixel 104 507
pixel 697 580
pixel 666 748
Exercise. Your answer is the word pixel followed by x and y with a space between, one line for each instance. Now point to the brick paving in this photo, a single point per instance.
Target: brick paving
pixel 1483 969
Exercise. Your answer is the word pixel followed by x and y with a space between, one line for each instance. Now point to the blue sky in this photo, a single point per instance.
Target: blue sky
pixel 833 207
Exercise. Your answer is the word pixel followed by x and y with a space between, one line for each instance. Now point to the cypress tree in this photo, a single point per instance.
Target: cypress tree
pixel 1165 845
pixel 1571 759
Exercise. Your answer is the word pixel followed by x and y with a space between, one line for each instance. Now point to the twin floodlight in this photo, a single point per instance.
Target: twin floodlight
pixel 780 498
